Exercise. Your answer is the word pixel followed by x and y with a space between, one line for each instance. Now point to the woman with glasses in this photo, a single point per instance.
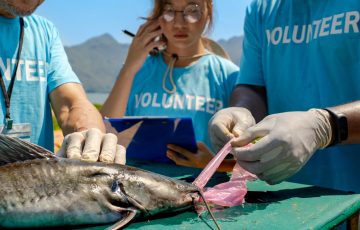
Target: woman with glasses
pixel 181 77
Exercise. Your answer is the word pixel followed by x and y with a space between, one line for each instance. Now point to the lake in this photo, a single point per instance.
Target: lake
pixel 97 98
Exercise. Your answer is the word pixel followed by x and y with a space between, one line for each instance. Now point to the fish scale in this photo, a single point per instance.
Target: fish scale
pixel 41 190
pixel 31 199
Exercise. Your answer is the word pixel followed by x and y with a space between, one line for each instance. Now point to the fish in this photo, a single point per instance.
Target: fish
pixel 39 189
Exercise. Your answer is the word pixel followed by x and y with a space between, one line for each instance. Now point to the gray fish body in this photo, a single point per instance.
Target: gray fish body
pixel 58 192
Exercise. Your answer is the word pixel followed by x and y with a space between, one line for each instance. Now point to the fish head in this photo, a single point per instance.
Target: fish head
pixel 153 193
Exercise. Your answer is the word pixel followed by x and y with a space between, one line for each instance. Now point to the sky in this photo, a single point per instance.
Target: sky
pixel 80 20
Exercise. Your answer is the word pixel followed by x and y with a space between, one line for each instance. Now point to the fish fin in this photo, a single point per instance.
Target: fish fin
pixel 13 149
pixel 121 223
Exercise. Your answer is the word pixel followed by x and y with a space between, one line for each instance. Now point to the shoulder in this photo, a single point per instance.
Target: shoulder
pixel 263 7
pixel 39 21
pixel 40 25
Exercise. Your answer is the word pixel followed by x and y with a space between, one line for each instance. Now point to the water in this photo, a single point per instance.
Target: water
pixel 97 98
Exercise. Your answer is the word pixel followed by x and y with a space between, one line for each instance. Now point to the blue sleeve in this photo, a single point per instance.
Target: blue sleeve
pixel 251 71
pixel 59 69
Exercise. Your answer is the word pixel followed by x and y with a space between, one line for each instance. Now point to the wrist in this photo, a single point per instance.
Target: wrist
pixel 129 70
pixel 324 131
pixel 339 126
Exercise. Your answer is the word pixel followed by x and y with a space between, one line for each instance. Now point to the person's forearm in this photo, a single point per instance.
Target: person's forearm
pixel 115 104
pixel 252 98
pixel 80 116
pixel 73 111
pixel 352 113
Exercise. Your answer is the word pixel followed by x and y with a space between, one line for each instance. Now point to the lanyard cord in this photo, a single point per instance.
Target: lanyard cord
pixel 174 58
pixel 7 94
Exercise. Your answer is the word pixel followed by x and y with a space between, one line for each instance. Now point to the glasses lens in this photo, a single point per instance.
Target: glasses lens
pixel 192 13
pixel 168 13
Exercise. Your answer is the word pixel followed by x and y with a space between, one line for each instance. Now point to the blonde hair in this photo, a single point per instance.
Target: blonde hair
pixel 159 7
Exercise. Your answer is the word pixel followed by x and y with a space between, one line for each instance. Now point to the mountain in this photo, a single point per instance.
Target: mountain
pixel 233 47
pixel 98 60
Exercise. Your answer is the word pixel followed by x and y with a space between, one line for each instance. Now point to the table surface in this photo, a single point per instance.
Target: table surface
pixel 282 206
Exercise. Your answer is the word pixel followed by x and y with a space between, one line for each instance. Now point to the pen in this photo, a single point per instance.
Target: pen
pixel 154 51
pixel 128 33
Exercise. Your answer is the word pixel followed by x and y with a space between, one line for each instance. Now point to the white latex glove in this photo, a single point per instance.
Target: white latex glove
pixel 228 123
pixel 288 140
pixel 92 145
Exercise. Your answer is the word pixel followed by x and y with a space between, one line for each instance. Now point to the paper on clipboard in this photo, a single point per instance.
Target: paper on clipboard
pixel 146 138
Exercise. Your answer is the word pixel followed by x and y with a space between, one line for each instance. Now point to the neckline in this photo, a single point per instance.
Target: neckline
pixel 192 65
pixel 9 20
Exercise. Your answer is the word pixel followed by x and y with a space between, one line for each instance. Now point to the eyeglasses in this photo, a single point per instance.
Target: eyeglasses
pixel 192 13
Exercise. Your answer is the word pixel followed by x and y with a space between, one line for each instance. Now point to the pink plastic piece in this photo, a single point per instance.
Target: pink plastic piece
pixel 212 166
pixel 230 193
pixel 227 194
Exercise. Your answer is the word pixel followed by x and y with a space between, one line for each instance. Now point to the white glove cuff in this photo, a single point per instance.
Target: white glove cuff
pixel 324 131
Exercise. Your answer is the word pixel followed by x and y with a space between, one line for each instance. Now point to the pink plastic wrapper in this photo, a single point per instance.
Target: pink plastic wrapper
pixel 227 194
pixel 230 193
pixel 211 167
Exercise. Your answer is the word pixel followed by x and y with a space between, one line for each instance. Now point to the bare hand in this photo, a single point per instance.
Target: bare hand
pixel 184 157
pixel 143 42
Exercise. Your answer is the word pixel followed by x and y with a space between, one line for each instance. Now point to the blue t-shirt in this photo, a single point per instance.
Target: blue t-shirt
pixel 202 89
pixel 307 55
pixel 43 66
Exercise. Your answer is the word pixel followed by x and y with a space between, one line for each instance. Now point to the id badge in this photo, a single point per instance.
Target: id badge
pixel 22 131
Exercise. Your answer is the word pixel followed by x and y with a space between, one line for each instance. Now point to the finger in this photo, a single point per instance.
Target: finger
pixel 254 167
pixel 120 156
pixel 244 139
pixel 262 128
pixel 62 151
pixel 142 28
pixel 274 179
pixel 74 143
pixel 149 39
pixel 203 147
pixel 221 131
pixel 147 27
pixel 92 145
pixel 256 152
pixel 108 149
pixel 219 137
pixel 180 150
pixel 174 156
pixel 240 126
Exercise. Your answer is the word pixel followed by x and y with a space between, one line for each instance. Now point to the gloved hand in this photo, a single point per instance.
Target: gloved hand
pixel 228 123
pixel 92 145
pixel 288 140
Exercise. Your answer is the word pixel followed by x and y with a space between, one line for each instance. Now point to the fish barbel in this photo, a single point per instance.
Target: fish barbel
pixel 43 190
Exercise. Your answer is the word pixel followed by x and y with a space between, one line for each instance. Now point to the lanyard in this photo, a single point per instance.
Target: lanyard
pixel 7 94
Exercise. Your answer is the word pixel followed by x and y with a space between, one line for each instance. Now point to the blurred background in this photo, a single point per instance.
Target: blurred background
pixel 91 32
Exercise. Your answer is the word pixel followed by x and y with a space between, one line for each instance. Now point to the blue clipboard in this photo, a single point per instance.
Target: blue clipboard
pixel 154 134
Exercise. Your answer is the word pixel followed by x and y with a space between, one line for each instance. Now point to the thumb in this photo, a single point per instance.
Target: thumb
pixel 202 147
pixel 248 135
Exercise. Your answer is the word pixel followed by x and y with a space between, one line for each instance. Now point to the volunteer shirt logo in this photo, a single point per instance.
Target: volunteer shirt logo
pixel 32 70
pixel 180 102
pixel 343 23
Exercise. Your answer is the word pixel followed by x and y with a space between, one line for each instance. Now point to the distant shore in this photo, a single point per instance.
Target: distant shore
pixel 97 98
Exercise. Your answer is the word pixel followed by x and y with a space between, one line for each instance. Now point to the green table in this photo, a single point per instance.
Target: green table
pixel 283 206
